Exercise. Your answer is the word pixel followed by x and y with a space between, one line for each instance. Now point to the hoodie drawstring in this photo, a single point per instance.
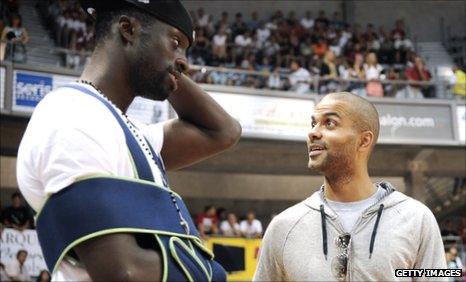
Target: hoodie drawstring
pixel 324 231
pixel 374 232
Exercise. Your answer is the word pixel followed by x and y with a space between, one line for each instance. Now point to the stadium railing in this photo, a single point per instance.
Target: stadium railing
pixel 241 77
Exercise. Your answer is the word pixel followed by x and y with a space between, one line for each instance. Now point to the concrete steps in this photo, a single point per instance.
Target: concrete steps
pixel 40 48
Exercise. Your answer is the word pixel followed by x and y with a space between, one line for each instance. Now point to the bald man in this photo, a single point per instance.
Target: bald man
pixel 351 229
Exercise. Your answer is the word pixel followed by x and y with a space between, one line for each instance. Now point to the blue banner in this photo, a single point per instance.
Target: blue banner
pixel 31 88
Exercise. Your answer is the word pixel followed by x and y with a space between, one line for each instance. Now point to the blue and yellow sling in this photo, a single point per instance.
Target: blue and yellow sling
pixel 97 205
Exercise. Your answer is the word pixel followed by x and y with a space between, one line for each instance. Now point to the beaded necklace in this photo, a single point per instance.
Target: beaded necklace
pixel 156 161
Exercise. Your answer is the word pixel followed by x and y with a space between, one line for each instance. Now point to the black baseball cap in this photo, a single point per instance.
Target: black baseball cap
pixel 171 12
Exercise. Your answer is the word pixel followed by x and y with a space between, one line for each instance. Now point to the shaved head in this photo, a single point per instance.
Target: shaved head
pixel 363 114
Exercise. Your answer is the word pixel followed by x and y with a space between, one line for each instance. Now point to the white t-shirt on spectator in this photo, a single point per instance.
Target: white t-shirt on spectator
pixel 61 21
pixel 242 41
pixel 335 49
pixel 229 230
pixel 297 79
pixel 250 230
pixel 274 81
pixel 203 21
pixel 262 35
pixel 220 40
pixel 374 45
pixel 373 72
pixel 13 269
pixel 271 25
pixel 405 44
pixel 71 135
pixel 307 23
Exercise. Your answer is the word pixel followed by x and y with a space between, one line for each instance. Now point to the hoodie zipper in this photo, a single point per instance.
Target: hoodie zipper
pixel 363 215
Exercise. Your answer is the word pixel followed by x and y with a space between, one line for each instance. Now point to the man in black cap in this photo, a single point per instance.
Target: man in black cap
pixel 91 171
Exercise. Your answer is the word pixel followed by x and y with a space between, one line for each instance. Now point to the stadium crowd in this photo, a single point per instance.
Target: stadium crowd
pixel 306 55
pixel 219 222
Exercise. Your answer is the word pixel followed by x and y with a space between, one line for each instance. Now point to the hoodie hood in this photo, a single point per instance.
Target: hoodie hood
pixel 389 198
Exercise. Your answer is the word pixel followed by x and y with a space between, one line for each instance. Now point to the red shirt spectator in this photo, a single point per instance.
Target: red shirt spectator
pixel 207 222
pixel 418 72
pixel 398 32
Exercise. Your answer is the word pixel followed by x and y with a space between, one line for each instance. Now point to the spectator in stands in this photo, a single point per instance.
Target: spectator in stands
pixel 322 21
pixel 329 71
pixel 202 18
pixel 263 34
pixel 458 83
pixel 373 72
pixel 44 276
pixel 253 23
pixel 307 22
pixel 221 214
pixel 207 222
pixel 399 31
pixel 320 47
pixel 223 22
pixel 403 43
pixel 390 90
pixel 17 215
pixel 238 26
pixel 219 44
pixel 274 81
pixel 243 42
pixel 16 269
pixel 357 72
pixel 453 260
pixel 230 227
pixel 336 22
pixel 251 227
pixel 16 37
pixel 300 78
pixel 418 72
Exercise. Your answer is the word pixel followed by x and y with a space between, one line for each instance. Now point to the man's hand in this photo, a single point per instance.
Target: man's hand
pixel 202 129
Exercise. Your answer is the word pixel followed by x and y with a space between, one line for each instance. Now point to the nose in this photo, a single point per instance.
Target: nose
pixel 314 133
pixel 181 65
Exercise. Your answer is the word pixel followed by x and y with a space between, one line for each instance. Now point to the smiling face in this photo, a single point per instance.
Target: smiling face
pixel 332 137
pixel 158 60
pixel 343 132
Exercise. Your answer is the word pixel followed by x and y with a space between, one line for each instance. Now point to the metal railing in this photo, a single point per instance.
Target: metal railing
pixel 317 84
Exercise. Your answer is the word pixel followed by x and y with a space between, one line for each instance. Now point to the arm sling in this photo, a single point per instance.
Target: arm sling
pixel 104 204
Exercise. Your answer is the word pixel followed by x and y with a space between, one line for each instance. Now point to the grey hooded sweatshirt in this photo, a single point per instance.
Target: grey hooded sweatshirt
pixel 397 232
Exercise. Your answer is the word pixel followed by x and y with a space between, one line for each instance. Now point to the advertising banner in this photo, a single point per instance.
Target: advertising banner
pixel 237 255
pixel 13 240
pixel 415 123
pixel 268 117
pixel 31 87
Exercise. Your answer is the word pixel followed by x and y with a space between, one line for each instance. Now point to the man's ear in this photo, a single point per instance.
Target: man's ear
pixel 126 28
pixel 366 140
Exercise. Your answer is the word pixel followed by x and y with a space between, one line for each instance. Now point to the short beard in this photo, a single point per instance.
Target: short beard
pixel 337 165
pixel 146 81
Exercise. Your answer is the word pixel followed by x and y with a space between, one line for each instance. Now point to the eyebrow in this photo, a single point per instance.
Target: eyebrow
pixel 327 114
